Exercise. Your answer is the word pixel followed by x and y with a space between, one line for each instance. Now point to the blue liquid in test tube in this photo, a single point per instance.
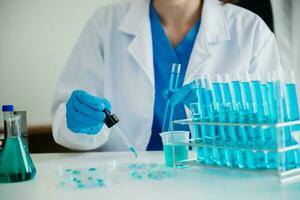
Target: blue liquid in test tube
pixel 220 116
pixel 198 130
pixel 247 103
pixel 168 116
pixel 293 157
pixel 261 110
pixel 240 118
pixel 231 136
pixel 208 95
pixel 282 113
pixel 200 90
pixel 292 98
pixel 271 143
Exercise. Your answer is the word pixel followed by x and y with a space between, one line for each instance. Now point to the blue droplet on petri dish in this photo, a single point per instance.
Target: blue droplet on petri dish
pixel 92 169
pixel 68 170
pixel 100 182
pixel 76 172
pixel 81 185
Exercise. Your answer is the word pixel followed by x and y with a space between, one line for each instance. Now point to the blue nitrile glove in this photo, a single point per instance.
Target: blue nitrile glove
pixel 185 95
pixel 84 112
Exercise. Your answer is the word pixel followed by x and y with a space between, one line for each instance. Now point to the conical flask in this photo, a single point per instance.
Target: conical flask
pixel 16 165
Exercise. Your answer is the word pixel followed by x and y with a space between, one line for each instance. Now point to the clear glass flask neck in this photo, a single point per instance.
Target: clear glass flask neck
pixel 13 126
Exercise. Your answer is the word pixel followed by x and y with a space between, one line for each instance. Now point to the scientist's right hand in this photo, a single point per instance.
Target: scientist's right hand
pixel 85 112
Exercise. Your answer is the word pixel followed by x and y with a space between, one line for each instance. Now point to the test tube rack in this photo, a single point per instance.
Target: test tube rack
pixel 280 149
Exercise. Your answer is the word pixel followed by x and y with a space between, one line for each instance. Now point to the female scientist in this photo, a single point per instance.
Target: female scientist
pixel 123 61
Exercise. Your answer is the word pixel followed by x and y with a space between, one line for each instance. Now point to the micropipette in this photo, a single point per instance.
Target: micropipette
pixel 111 121
pixel 170 108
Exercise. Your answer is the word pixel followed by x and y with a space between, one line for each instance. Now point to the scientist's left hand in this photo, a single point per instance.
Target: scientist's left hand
pixel 85 112
pixel 185 95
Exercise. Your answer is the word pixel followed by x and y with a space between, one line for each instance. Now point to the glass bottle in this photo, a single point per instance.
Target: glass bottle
pixel 16 165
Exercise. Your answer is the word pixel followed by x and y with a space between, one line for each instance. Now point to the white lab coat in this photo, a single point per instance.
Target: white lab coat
pixel 113 59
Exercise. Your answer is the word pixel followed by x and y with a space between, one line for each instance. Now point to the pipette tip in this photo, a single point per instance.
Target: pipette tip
pixel 132 149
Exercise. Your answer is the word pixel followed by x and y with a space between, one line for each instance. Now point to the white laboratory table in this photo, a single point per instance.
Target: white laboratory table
pixel 192 183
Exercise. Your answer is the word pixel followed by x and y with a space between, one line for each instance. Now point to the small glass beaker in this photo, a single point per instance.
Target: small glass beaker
pixel 176 146
pixel 16 165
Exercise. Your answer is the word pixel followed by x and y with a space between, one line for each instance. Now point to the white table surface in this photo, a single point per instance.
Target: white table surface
pixel 192 183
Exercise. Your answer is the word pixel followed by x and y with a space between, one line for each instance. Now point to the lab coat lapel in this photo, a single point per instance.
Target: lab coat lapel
pixel 213 30
pixel 137 24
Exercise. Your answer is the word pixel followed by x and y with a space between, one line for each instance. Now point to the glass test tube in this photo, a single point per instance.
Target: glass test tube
pixel 260 115
pixel 211 115
pixel 240 115
pixel 284 138
pixel 168 116
pixel 231 116
pixel 247 107
pixel 201 95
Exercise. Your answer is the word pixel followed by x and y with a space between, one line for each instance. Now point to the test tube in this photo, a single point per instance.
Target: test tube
pixel 211 115
pixel 198 130
pixel 220 116
pixel 202 98
pixel 259 104
pixel 231 116
pixel 284 138
pixel 292 100
pixel 247 106
pixel 237 105
pixel 293 107
pixel 168 116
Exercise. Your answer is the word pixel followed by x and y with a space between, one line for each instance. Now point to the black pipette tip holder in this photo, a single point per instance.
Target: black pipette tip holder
pixel 110 119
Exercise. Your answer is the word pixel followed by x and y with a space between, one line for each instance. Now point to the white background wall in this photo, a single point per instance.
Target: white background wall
pixel 36 38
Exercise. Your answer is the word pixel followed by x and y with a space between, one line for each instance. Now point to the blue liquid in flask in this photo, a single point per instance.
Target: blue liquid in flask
pixel 16 164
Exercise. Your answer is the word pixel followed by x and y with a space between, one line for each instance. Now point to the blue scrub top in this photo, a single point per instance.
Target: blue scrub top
pixel 164 55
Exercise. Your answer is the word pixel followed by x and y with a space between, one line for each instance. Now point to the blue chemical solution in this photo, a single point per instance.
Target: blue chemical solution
pixel 291 159
pixel 237 91
pixel 211 136
pixel 269 135
pixel 142 171
pixel 220 116
pixel 293 104
pixel 205 153
pixel 259 103
pixel 180 153
pixel 248 110
pixel 198 138
pixel 132 149
pixel 83 178
pixel 234 156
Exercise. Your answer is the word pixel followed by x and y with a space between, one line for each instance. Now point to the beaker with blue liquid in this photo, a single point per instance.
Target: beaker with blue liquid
pixel 16 165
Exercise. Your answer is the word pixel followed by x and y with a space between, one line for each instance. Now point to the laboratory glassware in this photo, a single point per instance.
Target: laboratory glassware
pixel 177 152
pixel 16 165
pixel 168 116
pixel 111 121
